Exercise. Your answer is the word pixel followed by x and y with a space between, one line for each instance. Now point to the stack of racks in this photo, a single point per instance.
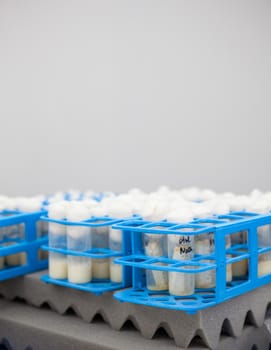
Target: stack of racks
pixel 175 258
pixel 22 233
pixel 184 250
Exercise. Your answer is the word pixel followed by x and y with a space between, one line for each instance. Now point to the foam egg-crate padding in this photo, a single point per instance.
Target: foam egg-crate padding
pixel 256 247
pixel 29 244
pixel 210 325
pixel 24 327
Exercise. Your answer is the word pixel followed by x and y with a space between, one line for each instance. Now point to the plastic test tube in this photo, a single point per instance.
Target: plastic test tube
pixel 181 247
pixel 117 211
pixel 99 239
pixel 264 240
pixel 204 245
pixel 57 239
pixel 156 245
pixel 2 259
pixel 261 206
pixel 29 205
pixel 13 232
pixel 239 268
pixel 222 208
pixel 4 201
pixel 78 239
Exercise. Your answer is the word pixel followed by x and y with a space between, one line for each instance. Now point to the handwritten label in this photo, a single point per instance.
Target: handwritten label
pixel 185 246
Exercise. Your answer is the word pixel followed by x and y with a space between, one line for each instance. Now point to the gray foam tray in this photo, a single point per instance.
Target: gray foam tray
pixel 210 325
pixel 26 327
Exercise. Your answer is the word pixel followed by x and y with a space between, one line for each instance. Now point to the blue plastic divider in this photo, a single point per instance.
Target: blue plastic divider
pixel 29 244
pixel 96 286
pixel 220 227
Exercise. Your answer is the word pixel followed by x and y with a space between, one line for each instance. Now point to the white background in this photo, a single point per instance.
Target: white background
pixel 113 94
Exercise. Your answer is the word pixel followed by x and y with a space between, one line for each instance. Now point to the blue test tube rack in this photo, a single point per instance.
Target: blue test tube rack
pixel 220 226
pixel 29 244
pixel 96 286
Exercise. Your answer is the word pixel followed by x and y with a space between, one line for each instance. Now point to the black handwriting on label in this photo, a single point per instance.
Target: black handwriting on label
pixel 186 250
pixel 184 240
pixel 211 239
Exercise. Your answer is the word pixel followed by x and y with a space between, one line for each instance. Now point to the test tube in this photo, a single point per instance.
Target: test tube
pixel 100 239
pixel 118 211
pixel 204 245
pixel 223 208
pixel 181 247
pixel 57 239
pixel 239 268
pixel 12 232
pixel 228 266
pixel 156 245
pixel 115 244
pixel 260 206
pixel 2 258
pixel 29 205
pixel 264 240
pixel 78 239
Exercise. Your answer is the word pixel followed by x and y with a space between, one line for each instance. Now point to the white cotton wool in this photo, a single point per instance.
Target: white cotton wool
pixel 28 205
pixel 258 206
pixel 160 211
pixel 202 212
pixel 89 194
pixel 190 193
pixel 221 208
pixel 77 212
pixel 207 194
pixel 56 197
pixel 239 203
pixel 137 204
pixel 74 194
pixel 163 190
pixel 99 210
pixel 119 210
pixel 57 210
pixel 108 194
pixel 256 194
pixel 150 210
pixel 180 216
pixel 10 204
pixel 227 195
pixel 89 203
pixel 135 192
pixel 146 211
pixel 3 199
